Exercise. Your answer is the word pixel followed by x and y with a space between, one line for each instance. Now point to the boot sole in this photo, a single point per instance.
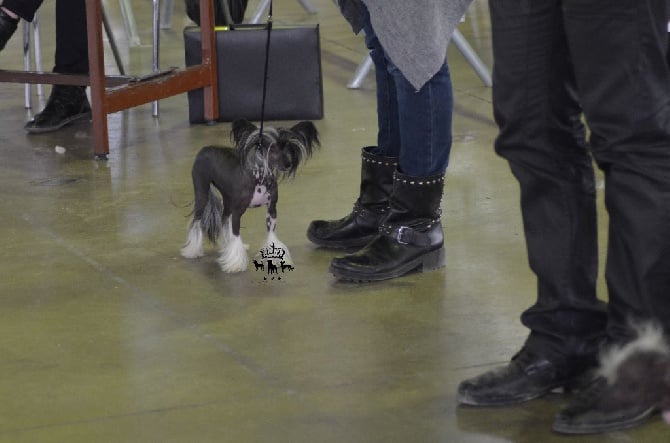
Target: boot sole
pixel 63 123
pixel 427 262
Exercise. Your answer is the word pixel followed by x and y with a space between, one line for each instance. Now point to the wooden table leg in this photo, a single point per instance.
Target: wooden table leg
pixel 96 66
pixel 207 38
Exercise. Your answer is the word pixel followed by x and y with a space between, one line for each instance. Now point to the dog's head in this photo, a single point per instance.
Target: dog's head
pixel 280 151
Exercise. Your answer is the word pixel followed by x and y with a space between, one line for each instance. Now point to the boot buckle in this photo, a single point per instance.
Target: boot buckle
pixel 399 237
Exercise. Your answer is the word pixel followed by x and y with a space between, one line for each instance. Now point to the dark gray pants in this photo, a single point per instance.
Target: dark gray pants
pixel 553 60
pixel 71 41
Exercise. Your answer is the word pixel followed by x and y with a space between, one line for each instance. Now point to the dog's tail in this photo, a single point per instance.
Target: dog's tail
pixel 212 216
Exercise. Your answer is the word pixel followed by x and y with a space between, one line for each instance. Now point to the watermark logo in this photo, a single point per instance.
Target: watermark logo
pixel 272 261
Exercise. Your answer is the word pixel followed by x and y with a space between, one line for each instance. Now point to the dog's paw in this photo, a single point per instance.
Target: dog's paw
pixel 234 257
pixel 193 247
pixel 192 251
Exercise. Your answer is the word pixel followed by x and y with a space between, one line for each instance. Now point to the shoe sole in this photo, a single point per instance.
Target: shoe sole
pixel 465 400
pixel 427 262
pixel 567 428
pixel 567 386
pixel 67 121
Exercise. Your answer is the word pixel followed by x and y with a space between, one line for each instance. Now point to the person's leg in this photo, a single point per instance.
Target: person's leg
pixel 66 104
pixel 71 40
pixel 419 122
pixel 424 121
pixel 10 13
pixel 542 138
pixel 626 101
pixel 377 166
pixel 624 88
pixel 25 9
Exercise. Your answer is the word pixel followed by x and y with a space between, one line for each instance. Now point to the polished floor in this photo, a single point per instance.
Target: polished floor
pixel 108 335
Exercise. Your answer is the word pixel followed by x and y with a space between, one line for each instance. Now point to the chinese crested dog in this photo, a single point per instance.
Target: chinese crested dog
pixel 245 176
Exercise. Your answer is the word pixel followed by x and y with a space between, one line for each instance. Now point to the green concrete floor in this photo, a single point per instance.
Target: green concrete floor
pixel 108 335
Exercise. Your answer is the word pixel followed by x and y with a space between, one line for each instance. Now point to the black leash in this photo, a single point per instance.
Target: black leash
pixel 265 74
pixel 226 11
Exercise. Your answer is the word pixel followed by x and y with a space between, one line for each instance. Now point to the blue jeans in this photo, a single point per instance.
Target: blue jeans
pixel 413 125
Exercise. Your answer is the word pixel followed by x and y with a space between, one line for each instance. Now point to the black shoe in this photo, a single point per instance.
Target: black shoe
pixel 359 227
pixel 8 26
pixel 410 238
pixel 625 399
pixel 526 377
pixel 66 104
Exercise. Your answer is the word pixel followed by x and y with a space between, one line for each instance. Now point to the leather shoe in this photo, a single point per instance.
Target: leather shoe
pixel 8 26
pixel 528 376
pixel 66 104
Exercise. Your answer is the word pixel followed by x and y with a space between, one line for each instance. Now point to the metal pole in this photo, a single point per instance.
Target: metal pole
pixel 156 46
pixel 26 61
pixel 472 58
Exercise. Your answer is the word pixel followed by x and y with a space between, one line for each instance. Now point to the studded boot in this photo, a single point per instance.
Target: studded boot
pixel 359 227
pixel 409 238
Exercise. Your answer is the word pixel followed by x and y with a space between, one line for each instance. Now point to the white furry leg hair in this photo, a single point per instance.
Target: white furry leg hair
pixel 273 239
pixel 233 256
pixel 193 246
pixel 226 233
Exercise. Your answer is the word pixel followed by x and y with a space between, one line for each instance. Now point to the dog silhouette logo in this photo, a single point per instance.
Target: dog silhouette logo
pixel 273 262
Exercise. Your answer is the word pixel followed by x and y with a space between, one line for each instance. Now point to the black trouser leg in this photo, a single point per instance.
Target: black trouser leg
pixel 542 137
pixel 619 49
pixel 23 8
pixel 71 38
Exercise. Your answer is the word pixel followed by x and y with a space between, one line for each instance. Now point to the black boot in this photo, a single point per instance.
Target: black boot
pixel 360 227
pixel 66 104
pixel 7 27
pixel 410 238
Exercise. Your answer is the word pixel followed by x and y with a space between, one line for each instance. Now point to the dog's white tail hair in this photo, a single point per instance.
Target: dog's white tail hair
pixel 650 338
pixel 212 216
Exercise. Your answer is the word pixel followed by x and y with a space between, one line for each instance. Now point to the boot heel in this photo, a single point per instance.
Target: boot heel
pixel 433 260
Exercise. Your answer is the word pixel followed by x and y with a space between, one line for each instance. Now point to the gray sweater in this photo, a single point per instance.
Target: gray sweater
pixel 413 33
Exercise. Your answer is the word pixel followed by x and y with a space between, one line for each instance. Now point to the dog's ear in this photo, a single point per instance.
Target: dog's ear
pixel 308 132
pixel 241 130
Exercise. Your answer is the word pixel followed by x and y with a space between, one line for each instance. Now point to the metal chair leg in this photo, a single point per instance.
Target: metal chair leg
pixel 156 45
pixel 112 41
pixel 37 51
pixel 264 6
pixel 361 72
pixel 472 58
pixel 129 22
pixel 166 14
pixel 27 64
pixel 461 44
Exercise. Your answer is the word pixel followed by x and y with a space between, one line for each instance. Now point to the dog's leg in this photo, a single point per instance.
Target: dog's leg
pixel 193 246
pixel 233 257
pixel 206 208
pixel 226 233
pixel 271 224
